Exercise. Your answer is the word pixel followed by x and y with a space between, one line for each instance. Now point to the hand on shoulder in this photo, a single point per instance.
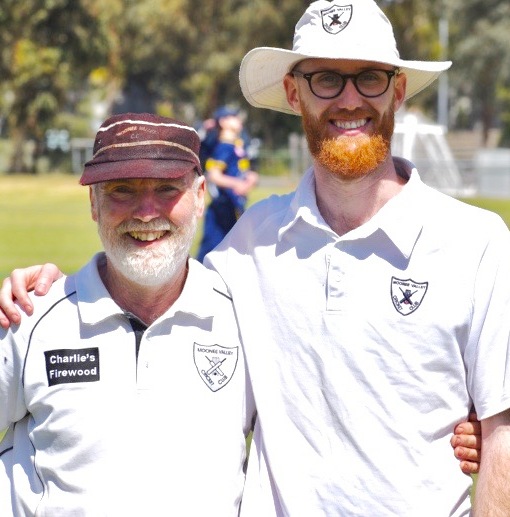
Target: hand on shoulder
pixel 15 289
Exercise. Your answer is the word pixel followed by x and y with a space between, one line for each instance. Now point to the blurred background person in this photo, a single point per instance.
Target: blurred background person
pixel 229 176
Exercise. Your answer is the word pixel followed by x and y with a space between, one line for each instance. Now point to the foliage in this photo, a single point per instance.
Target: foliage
pixel 481 40
pixel 48 49
pixel 415 24
pixel 504 96
pixel 61 59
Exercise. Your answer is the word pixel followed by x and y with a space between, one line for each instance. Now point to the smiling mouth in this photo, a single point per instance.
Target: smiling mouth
pixel 350 124
pixel 147 236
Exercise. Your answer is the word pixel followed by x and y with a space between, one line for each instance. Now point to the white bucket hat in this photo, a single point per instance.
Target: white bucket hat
pixel 356 31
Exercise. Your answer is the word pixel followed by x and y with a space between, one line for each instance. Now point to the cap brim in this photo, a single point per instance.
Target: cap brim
pixel 263 69
pixel 136 169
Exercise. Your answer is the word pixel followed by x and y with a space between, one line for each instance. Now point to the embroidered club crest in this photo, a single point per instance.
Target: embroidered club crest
pixel 407 295
pixel 336 18
pixel 215 364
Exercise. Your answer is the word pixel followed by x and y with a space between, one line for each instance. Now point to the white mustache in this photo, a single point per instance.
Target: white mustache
pixel 151 226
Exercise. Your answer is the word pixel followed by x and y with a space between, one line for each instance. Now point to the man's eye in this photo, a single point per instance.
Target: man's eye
pixel 121 190
pixel 167 189
pixel 370 77
pixel 328 80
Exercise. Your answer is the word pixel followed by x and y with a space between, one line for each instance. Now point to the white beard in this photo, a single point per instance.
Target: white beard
pixel 149 267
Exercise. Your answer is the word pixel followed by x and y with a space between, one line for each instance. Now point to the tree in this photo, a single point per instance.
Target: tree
pixel 182 57
pixel 185 54
pixel 481 41
pixel 49 47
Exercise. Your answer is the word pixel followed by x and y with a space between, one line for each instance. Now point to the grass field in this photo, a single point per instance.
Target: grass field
pixel 46 218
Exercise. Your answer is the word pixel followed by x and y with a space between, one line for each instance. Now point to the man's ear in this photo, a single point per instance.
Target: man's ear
pixel 400 90
pixel 291 90
pixel 93 203
pixel 201 189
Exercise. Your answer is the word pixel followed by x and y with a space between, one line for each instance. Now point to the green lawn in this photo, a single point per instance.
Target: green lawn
pixel 46 218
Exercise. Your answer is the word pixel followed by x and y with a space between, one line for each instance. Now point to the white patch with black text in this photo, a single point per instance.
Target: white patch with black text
pixel 336 18
pixel 215 364
pixel 407 295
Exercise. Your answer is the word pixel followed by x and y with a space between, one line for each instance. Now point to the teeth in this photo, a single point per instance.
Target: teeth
pixel 146 236
pixel 353 124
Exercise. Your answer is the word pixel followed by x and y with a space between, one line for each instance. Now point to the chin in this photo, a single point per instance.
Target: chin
pixel 353 157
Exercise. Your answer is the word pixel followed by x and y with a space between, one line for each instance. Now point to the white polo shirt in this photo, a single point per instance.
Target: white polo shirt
pixel 365 350
pixel 109 433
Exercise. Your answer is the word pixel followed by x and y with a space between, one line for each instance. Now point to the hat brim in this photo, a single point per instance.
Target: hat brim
pixel 263 69
pixel 136 169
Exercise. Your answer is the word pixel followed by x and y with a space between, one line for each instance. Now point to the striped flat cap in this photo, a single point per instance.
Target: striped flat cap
pixel 142 145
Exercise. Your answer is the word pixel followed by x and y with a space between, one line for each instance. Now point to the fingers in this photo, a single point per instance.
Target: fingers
pixel 469 458
pixel 468 436
pixel 469 441
pixel 469 467
pixel 8 310
pixel 466 449
pixel 471 429
pixel 43 278
pixel 17 286
pixel 466 443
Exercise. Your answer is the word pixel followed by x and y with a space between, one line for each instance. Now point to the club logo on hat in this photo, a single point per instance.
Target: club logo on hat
pixel 336 18
pixel 215 364
pixel 407 295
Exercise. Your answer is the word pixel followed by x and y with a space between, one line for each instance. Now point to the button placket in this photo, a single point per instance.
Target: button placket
pixel 335 280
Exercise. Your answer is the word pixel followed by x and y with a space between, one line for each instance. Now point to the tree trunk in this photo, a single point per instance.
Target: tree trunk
pixel 17 161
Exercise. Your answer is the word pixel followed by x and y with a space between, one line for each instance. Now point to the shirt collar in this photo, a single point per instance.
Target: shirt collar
pixel 95 303
pixel 303 206
pixel 399 218
pixel 197 297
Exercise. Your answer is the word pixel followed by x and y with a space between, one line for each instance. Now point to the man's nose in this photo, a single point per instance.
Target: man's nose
pixel 350 98
pixel 147 207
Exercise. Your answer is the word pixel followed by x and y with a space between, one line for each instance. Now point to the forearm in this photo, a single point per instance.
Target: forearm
pixel 241 186
pixel 492 497
pixel 220 179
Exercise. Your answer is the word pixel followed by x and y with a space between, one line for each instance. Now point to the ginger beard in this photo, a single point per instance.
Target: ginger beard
pixel 349 157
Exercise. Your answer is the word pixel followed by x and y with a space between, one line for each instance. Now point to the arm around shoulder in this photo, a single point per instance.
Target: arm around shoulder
pixel 492 498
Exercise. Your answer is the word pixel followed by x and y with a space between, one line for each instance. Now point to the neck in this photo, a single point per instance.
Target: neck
pixel 146 302
pixel 348 204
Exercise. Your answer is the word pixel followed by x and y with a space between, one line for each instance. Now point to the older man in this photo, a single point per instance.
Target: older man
pixel 125 392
